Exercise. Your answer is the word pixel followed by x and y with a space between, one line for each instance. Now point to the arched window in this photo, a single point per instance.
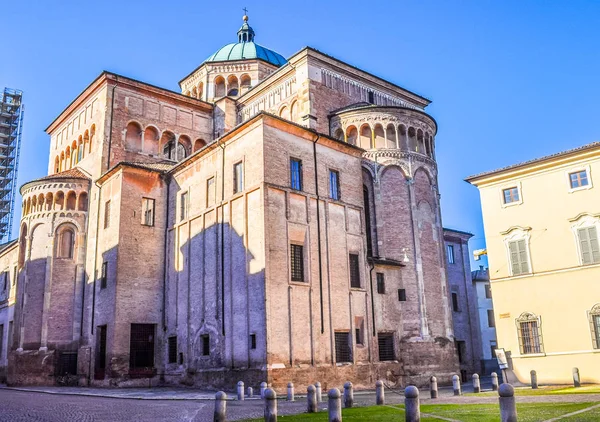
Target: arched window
pixel 284 113
pixel 245 83
pixel 194 92
pixel 59 201
pixel 86 143
pixel 219 86
pixel 365 137
pixel 339 134
pixel 351 135
pixel 379 136
pixel 133 137
pixel 294 111
pixel 594 316
pixel 92 135
pixel 68 159
pixel 167 143
pixel 200 90
pixel 529 327
pixel 66 243
pixel 56 165
pixel 73 154
pixel 80 149
pixel 82 202
pixel 181 151
pixel 49 201
pixel 22 245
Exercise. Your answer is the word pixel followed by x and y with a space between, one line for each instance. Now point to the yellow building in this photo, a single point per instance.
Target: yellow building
pixel 542 222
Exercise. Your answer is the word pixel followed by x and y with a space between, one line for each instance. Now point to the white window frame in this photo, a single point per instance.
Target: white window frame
pixel 577 170
pixel 514 234
pixel 584 221
pixel 509 186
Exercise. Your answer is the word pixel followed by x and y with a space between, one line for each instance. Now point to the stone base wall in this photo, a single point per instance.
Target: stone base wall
pixel 426 358
pixel 31 367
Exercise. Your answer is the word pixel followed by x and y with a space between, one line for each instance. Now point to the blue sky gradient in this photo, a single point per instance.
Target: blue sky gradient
pixel 509 80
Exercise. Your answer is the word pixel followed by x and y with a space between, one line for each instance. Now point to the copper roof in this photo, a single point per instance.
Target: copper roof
pixel 535 160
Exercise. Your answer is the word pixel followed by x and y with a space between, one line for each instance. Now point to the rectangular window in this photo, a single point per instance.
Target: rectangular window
pixel 461 350
pixel 107 214
pixel 141 347
pixel 354 271
pixel 183 206
pixel 530 337
pixel 210 192
pixel 510 195
pixel 148 212
pixel 15 275
pixel 295 174
pixel 588 245
pixel 252 341
pixel 359 329
pixel 205 345
pixel 493 347
pixel 104 275
pixel 491 320
pixel 343 351
pixel 297 262
pixel 402 295
pixel 173 349
pixel 578 179
pixel 519 260
pixel 380 283
pixel 450 249
pixel 238 177
pixel 455 306
pixel 371 97
pixel 4 280
pixel 488 291
pixel 386 347
pixel 334 185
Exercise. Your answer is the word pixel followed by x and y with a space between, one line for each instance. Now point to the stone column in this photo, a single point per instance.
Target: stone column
pixel 412 407
pixel 311 399
pixel 576 379
pixel 318 388
pixel 379 393
pixel 534 381
pixel 508 406
pixel 494 381
pixel 348 395
pixel 250 392
pixel 263 387
pixel 220 407
pixel 240 390
pixel 270 405
pixel 476 384
pixel 456 385
pixel 433 387
pixel 290 391
pixel 335 405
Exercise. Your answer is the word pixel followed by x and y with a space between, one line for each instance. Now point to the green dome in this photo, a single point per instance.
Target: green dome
pixel 246 49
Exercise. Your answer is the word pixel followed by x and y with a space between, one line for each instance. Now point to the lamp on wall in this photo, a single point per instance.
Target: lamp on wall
pixel 477 254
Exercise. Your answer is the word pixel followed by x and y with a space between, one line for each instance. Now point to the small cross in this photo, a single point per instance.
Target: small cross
pixel 245 11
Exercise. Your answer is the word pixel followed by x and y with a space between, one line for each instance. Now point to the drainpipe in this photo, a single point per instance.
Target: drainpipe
pixel 166 255
pixel 222 237
pixel 319 234
pixel 372 265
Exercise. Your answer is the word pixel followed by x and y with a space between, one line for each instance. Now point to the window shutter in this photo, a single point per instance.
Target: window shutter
pixel 514 258
pixel 593 326
pixel 523 257
pixel 584 244
pixel 594 249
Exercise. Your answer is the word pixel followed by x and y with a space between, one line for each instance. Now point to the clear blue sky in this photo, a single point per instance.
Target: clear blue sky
pixel 509 80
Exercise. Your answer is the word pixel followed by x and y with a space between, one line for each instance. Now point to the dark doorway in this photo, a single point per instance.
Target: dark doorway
pixel 141 350
pixel 100 370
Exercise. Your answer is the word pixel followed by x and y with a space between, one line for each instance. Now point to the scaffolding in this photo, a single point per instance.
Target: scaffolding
pixel 11 126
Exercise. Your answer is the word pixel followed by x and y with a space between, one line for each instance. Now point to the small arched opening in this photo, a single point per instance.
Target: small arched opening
pixel 49 201
pixel 379 136
pixel 390 134
pixel 59 201
pixel 184 147
pixel 82 201
pixel 219 86
pixel 199 144
pixel 167 145
pixel 245 83
pixel 151 140
pixel 412 139
pixel 40 202
pixel 80 148
pixel 71 201
pixel 352 135
pixel 194 92
pixel 366 134
pixel 34 204
pixel 133 136
pixel 86 143
pixel 294 111
pixel 56 164
pixel 200 90
pixel 284 113
pixel 92 136
pixel 68 158
pixel 232 86
pixel 65 242
pixel 339 134
pixel 420 142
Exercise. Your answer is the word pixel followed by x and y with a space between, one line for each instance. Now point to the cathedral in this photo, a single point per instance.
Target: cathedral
pixel 276 220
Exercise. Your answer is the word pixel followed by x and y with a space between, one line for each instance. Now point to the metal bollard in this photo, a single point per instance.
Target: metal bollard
pixel 318 388
pixel 240 390
pixel 476 384
pixel 270 405
pixel 433 388
pixel 508 406
pixel 379 393
pixel 412 407
pixel 576 379
pixel 263 387
pixel 290 392
pixel 494 381
pixel 220 407
pixel 456 385
pixel 335 405
pixel 348 395
pixel 250 392
pixel 534 382
pixel 311 399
